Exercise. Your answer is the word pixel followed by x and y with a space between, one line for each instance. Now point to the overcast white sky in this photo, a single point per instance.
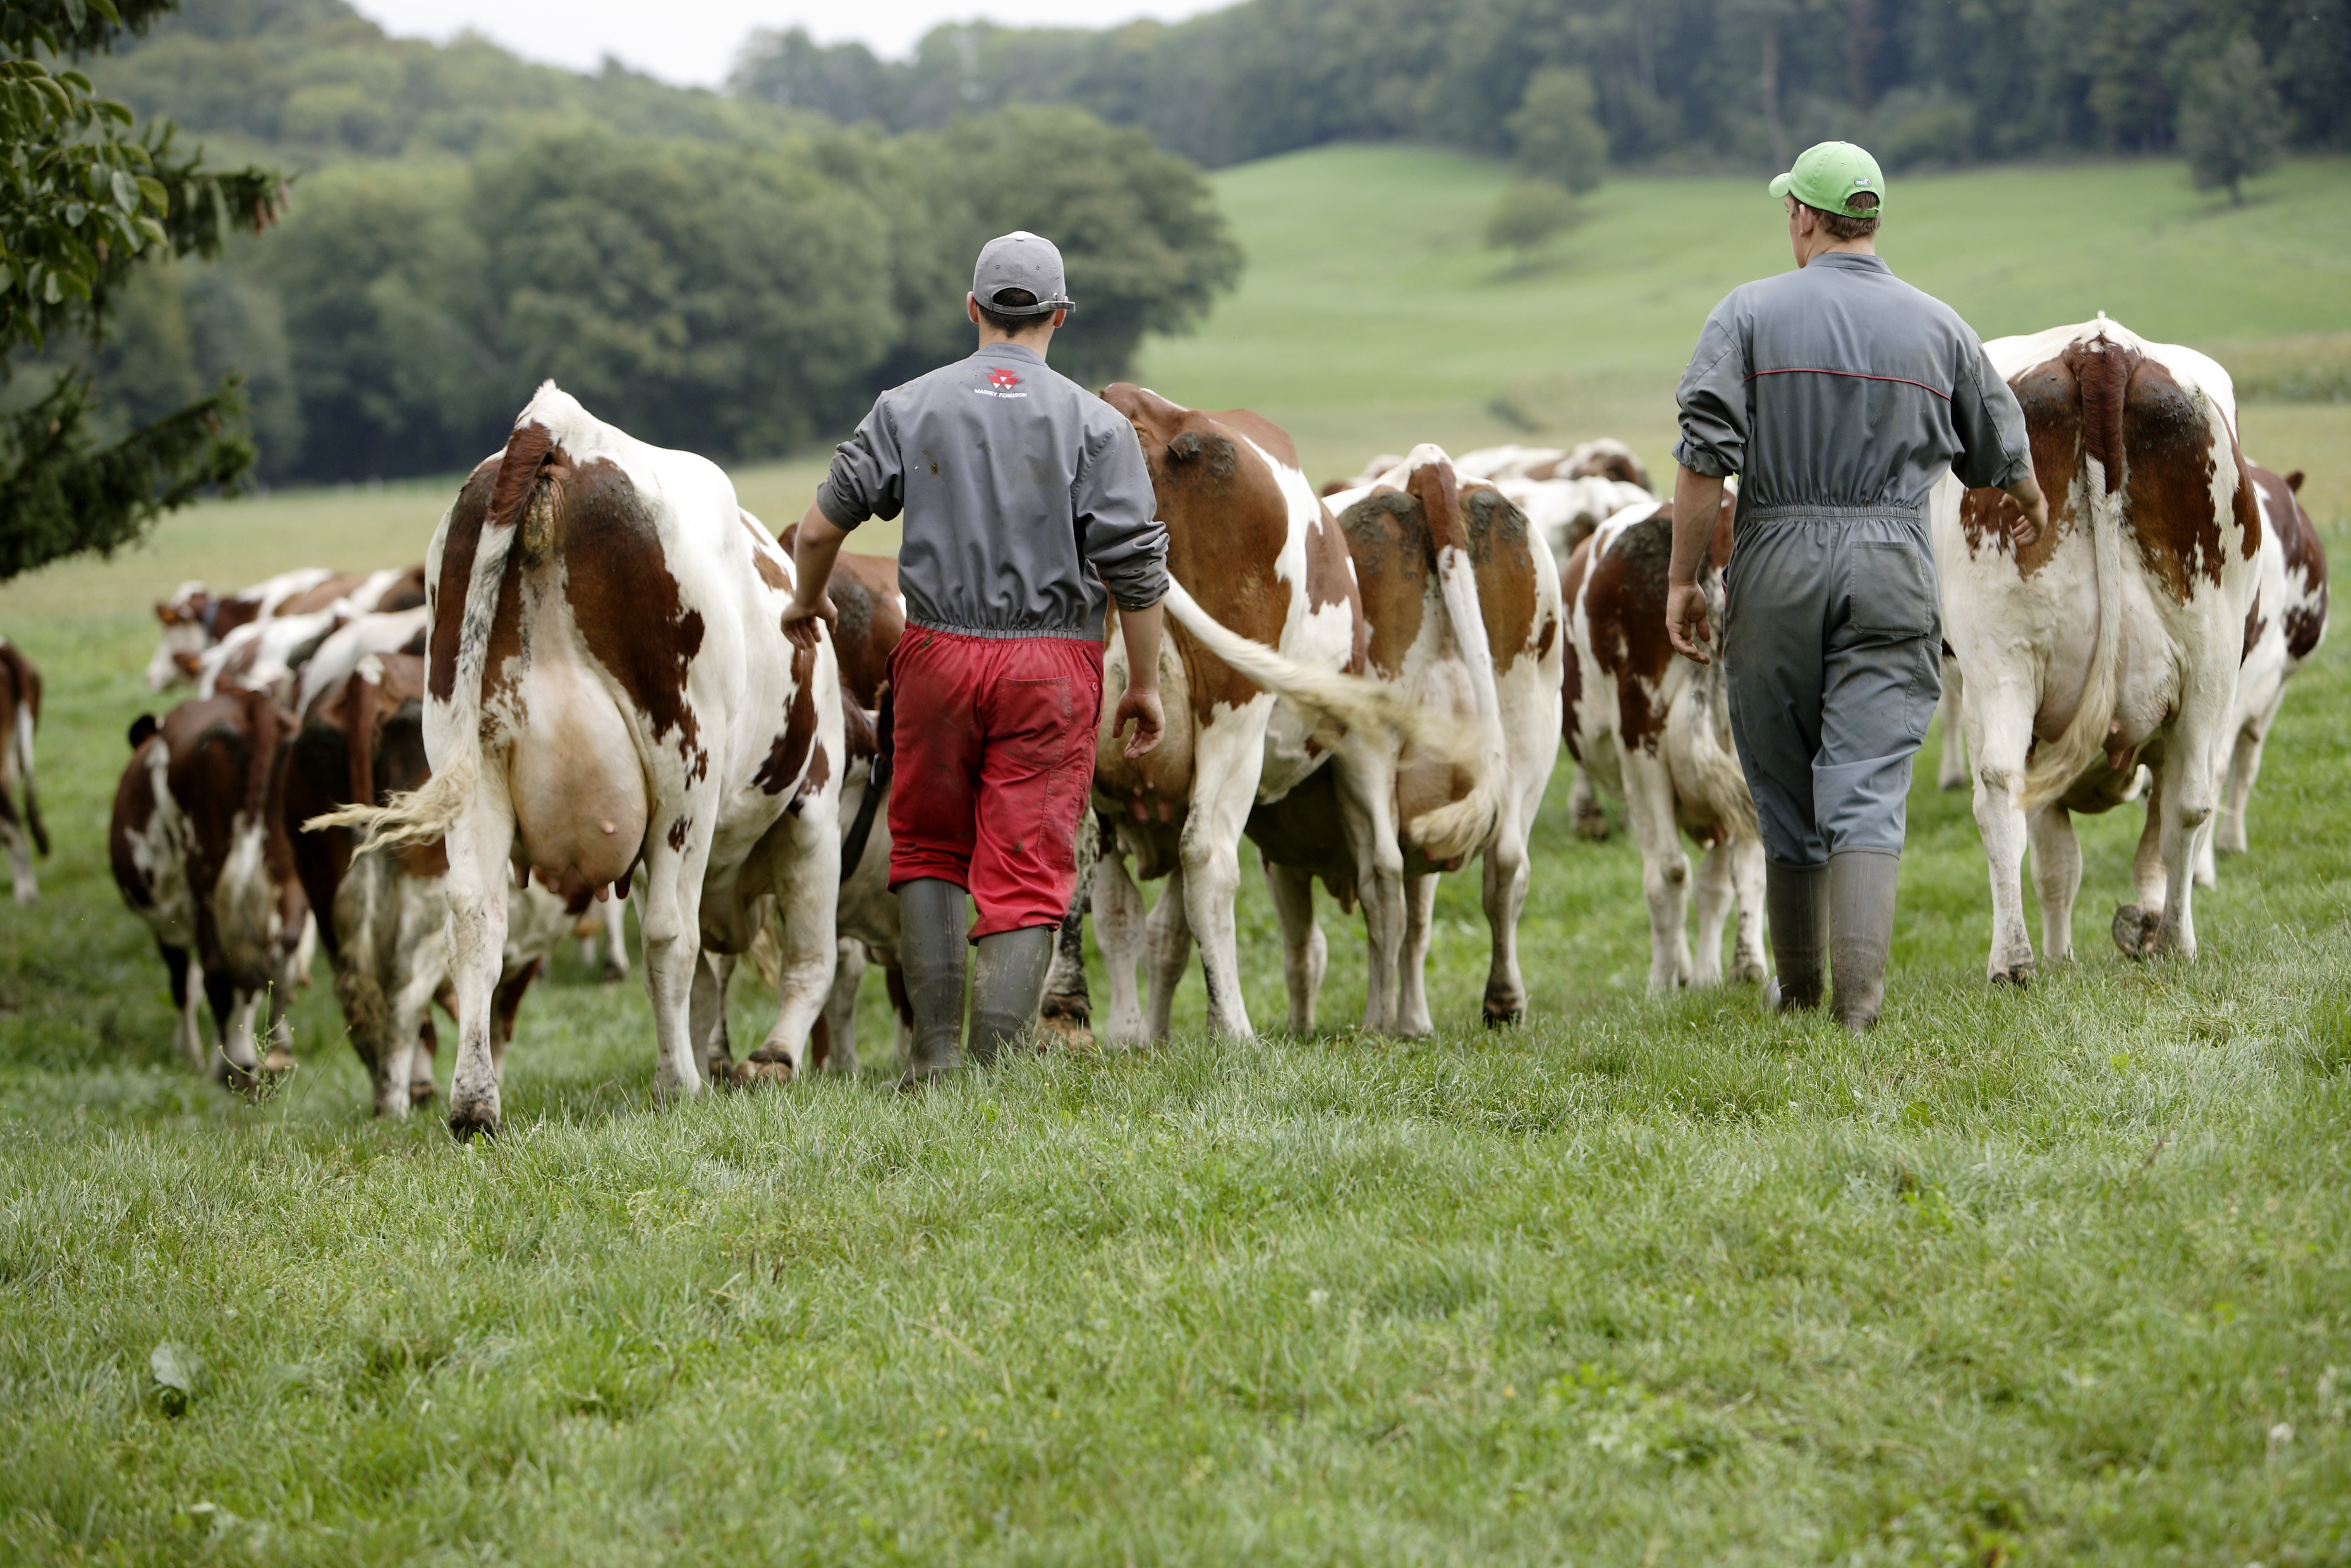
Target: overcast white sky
pixel 694 41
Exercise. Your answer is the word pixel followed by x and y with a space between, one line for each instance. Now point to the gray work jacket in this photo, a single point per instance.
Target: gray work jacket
pixel 1025 497
pixel 1838 387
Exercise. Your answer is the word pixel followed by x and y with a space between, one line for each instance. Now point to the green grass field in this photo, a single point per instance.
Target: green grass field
pixel 2053 1277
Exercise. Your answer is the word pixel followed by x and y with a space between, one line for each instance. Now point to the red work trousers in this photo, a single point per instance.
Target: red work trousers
pixel 994 740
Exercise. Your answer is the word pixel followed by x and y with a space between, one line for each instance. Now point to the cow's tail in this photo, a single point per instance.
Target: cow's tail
pixel 421 816
pixel 2104 379
pixel 1334 702
pixel 1455 830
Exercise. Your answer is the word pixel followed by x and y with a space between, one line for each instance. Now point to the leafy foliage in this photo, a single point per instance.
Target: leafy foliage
pixel 1529 212
pixel 89 196
pixel 1693 80
pixel 2231 125
pixel 1557 130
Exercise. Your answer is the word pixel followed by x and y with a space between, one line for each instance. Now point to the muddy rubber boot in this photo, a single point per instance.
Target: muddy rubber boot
pixel 1861 917
pixel 1006 987
pixel 932 919
pixel 1796 905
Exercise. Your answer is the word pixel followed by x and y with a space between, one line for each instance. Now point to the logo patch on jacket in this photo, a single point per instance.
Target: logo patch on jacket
pixel 1002 379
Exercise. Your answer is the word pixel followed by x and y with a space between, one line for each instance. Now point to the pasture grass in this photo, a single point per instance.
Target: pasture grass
pixel 2060 1275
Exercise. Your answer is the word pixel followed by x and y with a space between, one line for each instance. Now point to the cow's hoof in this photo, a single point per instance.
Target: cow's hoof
pixel 2135 930
pixel 1592 825
pixel 766 1065
pixel 720 1073
pixel 1771 995
pixel 279 1061
pixel 466 1121
pixel 610 971
pixel 424 1091
pixel 1063 1032
pixel 2019 973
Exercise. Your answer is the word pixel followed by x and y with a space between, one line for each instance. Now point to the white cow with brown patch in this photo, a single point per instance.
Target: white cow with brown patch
pixel 611 695
pixel 1654 729
pixel 2283 629
pixel 195 621
pixel 1254 552
pixel 2115 639
pixel 1462 613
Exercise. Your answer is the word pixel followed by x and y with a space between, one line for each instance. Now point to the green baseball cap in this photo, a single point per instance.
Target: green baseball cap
pixel 1830 174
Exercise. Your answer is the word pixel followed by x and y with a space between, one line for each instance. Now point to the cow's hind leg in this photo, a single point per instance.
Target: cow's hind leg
pixel 1066 1010
pixel 1745 858
pixel 1584 808
pixel 1305 955
pixel 187 1003
pixel 1119 921
pixel 1228 758
pixel 1167 948
pixel 1412 1020
pixel 1713 900
pixel 475 887
pixel 839 1017
pixel 1664 869
pixel 707 1015
pixel 2056 876
pixel 20 854
pixel 1998 729
pixel 807 904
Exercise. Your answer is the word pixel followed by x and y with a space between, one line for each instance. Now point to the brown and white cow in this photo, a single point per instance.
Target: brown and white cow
pixel 2113 640
pixel 610 694
pixel 195 621
pixel 20 712
pixel 1254 551
pixel 384 916
pixel 1603 457
pixel 200 853
pixel 1462 613
pixel 2283 628
pixel 1654 729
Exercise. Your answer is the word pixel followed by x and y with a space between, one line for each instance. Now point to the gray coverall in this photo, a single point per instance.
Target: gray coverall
pixel 1838 395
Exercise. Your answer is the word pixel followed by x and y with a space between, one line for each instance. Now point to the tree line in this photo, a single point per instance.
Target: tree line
pixel 1677 82
pixel 710 272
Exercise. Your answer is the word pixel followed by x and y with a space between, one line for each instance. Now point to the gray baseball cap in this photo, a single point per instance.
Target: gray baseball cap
pixel 1022 260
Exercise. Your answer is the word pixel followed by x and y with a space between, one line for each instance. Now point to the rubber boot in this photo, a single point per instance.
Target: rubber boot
pixel 1860 916
pixel 933 920
pixel 1008 984
pixel 1796 903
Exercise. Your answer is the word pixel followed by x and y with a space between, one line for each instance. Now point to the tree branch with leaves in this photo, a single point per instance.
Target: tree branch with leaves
pixel 85 195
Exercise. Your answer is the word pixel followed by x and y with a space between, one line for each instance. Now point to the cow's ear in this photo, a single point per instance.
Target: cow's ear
pixel 2294 481
pixel 140 728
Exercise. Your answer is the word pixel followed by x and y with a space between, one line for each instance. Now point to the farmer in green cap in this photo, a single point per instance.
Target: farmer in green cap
pixel 1838 395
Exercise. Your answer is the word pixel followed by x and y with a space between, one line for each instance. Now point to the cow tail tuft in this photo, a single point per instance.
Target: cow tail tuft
pixel 1454 831
pixel 22 744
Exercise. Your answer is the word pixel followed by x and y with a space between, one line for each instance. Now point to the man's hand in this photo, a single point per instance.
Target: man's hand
pixel 2026 531
pixel 1140 703
pixel 1686 621
pixel 799 620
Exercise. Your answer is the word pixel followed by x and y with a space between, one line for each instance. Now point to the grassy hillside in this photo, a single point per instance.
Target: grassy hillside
pixel 1372 316
pixel 2057 1275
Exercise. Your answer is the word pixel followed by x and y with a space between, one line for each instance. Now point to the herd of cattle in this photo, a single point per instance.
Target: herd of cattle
pixel 585 695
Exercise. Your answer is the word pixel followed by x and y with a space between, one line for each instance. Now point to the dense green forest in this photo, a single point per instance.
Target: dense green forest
pixel 710 272
pixel 1706 82
pixel 740 272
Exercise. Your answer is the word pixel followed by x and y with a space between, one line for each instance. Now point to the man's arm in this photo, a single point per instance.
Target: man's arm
pixel 814 553
pixel 1698 507
pixel 1139 628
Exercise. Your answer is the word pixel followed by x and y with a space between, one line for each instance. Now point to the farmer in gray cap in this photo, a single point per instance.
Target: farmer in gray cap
pixel 1838 395
pixel 1027 508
